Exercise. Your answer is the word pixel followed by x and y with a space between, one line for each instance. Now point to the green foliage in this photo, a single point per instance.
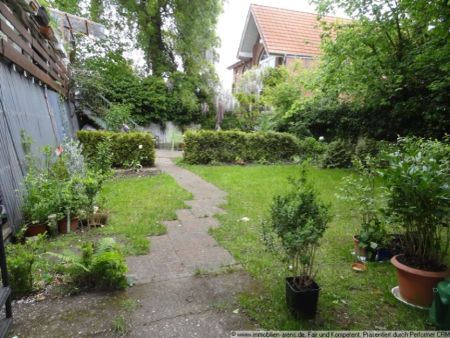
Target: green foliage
pixel 60 185
pixel 100 267
pixel 20 259
pixel 128 149
pixel 338 154
pixel 418 195
pixel 206 147
pixel 20 263
pixel 311 149
pixel 389 66
pixel 300 219
pixel 360 190
pixel 144 99
pixel 117 115
pixel 190 33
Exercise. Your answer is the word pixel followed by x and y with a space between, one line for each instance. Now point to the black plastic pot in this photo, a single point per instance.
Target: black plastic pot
pixel 302 303
pixel 383 254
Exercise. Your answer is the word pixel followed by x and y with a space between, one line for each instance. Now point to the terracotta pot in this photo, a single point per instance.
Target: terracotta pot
pixel 62 225
pixel 36 229
pixel 47 32
pixel 361 252
pixel 416 286
pixel 100 218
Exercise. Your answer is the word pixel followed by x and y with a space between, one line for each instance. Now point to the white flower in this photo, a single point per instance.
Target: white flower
pixel 290 267
pixel 141 146
pixel 245 219
pixel 321 138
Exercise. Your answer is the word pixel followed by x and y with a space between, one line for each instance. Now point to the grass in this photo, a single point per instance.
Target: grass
pixel 137 206
pixel 348 300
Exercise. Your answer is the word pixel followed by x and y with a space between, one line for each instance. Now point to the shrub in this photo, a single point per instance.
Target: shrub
pixel 100 267
pixel 128 149
pixel 338 154
pixel 300 219
pixel 20 263
pixel 311 149
pixel 20 259
pixel 418 196
pixel 204 147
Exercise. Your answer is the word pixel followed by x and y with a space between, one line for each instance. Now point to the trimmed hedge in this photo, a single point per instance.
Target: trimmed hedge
pixel 205 147
pixel 125 147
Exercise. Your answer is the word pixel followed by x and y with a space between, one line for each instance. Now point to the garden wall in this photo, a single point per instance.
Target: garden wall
pixel 41 114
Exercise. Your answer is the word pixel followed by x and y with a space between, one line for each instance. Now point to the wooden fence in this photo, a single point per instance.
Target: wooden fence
pixel 22 44
pixel 43 112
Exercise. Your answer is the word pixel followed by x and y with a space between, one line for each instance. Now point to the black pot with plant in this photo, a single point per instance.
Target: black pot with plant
pixel 299 220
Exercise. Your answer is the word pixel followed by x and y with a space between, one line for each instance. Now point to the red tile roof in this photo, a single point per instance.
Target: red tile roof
pixel 290 32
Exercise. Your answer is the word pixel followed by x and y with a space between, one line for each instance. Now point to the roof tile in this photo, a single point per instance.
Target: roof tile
pixel 290 32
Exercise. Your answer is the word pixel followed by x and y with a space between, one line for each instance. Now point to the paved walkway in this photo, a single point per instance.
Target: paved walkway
pixel 187 247
pixel 180 304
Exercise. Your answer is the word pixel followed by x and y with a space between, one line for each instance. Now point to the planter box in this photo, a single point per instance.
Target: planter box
pixel 62 225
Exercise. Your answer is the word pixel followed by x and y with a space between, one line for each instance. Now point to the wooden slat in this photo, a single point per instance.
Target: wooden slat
pixel 21 60
pixel 12 19
pixel 44 62
pixel 14 36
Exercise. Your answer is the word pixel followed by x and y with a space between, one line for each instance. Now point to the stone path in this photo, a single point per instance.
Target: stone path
pixel 168 300
pixel 184 305
pixel 187 247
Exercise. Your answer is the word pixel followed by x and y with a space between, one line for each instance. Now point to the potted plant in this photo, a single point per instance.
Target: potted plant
pixel 40 200
pixel 418 201
pixel 299 219
pixel 360 191
pixel 73 203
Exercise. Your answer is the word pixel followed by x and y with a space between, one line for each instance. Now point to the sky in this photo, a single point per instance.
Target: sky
pixel 231 25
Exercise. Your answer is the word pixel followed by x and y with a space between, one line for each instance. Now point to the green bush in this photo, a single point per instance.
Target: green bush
pixel 338 154
pixel 128 149
pixel 205 147
pixel 299 219
pixel 20 263
pixel 100 267
pixel 20 259
pixel 311 149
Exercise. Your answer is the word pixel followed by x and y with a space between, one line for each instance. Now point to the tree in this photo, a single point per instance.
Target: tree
pixel 390 65
pixel 170 28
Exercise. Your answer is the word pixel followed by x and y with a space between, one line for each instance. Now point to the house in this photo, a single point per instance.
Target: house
pixel 274 36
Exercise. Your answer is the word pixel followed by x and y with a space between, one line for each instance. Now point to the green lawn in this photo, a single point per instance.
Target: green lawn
pixel 137 206
pixel 348 300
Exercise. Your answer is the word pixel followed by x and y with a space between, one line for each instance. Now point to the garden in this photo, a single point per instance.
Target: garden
pixel 278 214
pixel 77 214
pixel 337 176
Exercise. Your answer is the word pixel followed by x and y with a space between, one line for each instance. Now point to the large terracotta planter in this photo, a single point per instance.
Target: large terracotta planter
pixel 416 286
pixel 35 229
pixel 62 225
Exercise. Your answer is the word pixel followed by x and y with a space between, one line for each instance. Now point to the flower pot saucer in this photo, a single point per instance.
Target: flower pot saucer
pixel 359 267
pixel 396 292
